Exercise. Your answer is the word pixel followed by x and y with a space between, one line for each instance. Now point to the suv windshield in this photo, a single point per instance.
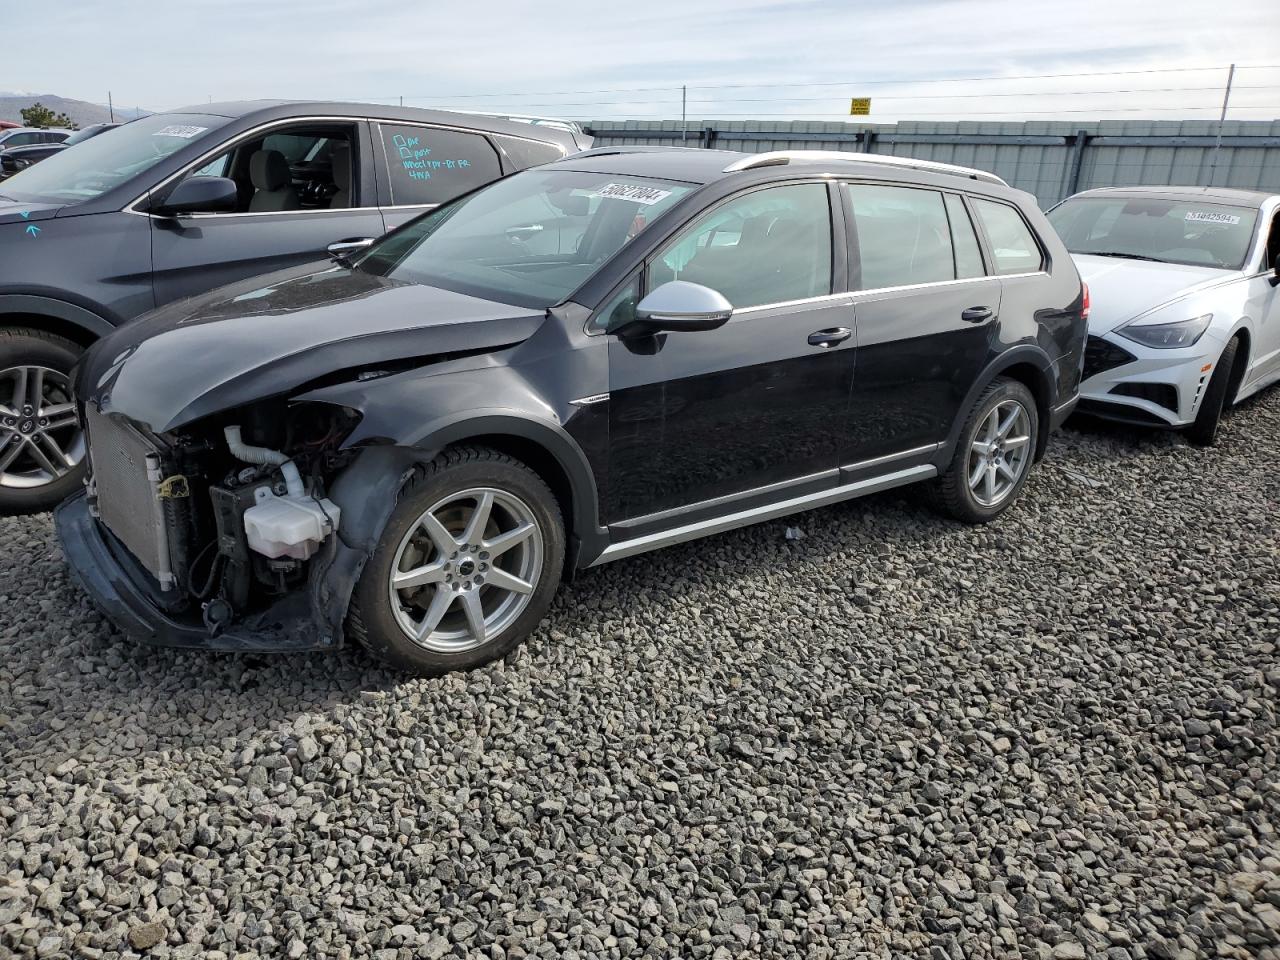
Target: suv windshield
pixel 1169 231
pixel 531 239
pixel 104 162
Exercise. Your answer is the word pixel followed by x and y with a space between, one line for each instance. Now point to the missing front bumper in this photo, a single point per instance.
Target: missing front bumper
pixel 115 584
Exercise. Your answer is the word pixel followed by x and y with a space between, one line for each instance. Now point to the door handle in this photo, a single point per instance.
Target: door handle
pixel 344 248
pixel 977 314
pixel 830 337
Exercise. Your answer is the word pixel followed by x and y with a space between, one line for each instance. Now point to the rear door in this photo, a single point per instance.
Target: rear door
pixel 421 166
pixel 926 308
pixel 329 197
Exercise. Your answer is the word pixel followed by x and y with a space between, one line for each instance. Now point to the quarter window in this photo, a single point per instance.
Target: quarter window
pixel 428 166
pixel 769 246
pixel 904 237
pixel 1012 245
pixel 963 239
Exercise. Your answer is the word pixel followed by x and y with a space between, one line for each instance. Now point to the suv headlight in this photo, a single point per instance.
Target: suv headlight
pixel 1182 333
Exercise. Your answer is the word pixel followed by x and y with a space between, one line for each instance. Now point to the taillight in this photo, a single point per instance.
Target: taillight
pixel 1084 307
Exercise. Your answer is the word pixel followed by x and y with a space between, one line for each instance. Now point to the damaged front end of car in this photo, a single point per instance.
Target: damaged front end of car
pixel 227 507
pixel 245 531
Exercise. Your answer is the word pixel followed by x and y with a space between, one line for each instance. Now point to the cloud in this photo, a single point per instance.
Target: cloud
pixel 164 54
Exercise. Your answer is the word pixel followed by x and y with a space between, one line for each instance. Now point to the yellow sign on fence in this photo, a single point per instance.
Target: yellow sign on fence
pixel 860 107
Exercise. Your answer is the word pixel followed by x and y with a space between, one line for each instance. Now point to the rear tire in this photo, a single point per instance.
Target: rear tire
pixel 28 447
pixel 468 565
pixel 993 455
pixel 1203 432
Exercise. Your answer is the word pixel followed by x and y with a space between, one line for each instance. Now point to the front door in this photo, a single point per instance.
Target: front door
pixel 302 188
pixel 759 402
pixel 926 312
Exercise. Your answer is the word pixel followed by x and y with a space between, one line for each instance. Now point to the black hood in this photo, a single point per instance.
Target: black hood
pixel 267 336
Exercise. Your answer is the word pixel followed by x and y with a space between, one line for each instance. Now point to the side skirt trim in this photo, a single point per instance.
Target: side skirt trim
pixel 703 528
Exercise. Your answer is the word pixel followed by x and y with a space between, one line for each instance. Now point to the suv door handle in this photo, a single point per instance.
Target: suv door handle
pixel 976 314
pixel 830 337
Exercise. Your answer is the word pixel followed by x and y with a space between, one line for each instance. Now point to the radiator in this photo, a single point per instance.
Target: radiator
pixel 126 475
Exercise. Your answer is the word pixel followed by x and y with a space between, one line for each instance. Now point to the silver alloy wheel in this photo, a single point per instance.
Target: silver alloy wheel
pixel 466 570
pixel 40 438
pixel 1000 453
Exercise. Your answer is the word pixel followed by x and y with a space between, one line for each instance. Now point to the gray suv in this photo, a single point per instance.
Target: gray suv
pixel 172 205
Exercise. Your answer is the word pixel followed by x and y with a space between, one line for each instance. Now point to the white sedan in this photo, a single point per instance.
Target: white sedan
pixel 1184 287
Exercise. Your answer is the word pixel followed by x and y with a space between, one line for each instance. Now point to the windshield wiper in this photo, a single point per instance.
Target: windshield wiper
pixel 1121 254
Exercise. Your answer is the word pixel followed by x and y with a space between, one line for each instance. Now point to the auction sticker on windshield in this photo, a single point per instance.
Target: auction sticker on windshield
pixel 635 192
pixel 1205 216
pixel 180 130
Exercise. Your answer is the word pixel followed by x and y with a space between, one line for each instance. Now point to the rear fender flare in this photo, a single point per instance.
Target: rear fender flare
pixel 1045 395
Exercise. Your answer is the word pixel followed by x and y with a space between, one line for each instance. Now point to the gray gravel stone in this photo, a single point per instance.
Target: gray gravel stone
pixel 1054 736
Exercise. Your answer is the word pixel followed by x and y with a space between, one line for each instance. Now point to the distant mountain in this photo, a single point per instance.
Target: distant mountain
pixel 81 112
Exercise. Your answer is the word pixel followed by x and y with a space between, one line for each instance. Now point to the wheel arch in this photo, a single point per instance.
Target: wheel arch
pixel 1244 354
pixel 75 323
pixel 1026 364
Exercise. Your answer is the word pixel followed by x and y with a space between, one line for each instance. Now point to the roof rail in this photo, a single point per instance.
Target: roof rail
pixel 778 157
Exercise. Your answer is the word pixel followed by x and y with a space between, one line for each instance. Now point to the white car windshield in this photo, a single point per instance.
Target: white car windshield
pixel 102 163
pixel 1189 232
pixel 531 239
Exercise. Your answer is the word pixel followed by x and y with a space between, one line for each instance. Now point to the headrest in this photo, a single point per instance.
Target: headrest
pixel 269 170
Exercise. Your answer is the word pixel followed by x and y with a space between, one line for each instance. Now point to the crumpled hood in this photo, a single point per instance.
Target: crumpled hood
pixel 1120 289
pixel 269 335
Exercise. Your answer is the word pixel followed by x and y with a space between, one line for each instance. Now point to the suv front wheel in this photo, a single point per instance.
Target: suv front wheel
pixel 42 447
pixel 467 566
pixel 993 456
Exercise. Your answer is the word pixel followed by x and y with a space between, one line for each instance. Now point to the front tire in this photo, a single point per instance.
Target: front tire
pixel 42 447
pixel 468 565
pixel 1203 431
pixel 993 455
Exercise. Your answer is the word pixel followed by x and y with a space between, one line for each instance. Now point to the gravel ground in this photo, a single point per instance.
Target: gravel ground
pixel 1052 737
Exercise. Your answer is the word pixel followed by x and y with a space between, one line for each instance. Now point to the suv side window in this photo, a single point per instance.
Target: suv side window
pixel 313 169
pixel 964 240
pixel 904 236
pixel 426 165
pixel 768 246
pixel 1012 244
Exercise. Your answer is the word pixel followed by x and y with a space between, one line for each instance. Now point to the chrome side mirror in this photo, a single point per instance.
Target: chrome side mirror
pixel 685 307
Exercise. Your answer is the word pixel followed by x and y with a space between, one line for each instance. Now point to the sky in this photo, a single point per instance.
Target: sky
pixel 916 59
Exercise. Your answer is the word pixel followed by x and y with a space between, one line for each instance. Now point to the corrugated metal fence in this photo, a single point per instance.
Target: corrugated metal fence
pixel 1051 159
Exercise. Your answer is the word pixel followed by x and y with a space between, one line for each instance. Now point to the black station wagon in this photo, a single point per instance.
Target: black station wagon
pixel 177 203
pixel 623 350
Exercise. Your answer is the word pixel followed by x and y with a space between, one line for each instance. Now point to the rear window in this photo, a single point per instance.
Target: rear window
pixel 904 236
pixel 1013 246
pixel 426 165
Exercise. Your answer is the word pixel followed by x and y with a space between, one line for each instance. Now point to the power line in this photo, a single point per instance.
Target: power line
pixel 828 83
pixel 985 96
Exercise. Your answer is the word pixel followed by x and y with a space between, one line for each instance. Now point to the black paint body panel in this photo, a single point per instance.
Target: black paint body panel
pixel 640 435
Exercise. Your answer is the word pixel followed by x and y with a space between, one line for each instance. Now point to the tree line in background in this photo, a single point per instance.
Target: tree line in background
pixel 38 115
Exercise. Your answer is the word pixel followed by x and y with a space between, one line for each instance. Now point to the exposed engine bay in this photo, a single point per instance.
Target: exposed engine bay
pixel 227 515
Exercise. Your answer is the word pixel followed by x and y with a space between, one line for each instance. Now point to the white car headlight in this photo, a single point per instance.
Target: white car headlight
pixel 1181 333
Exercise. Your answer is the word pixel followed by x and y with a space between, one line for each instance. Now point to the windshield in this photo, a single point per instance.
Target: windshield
pixel 1170 231
pixel 531 239
pixel 104 162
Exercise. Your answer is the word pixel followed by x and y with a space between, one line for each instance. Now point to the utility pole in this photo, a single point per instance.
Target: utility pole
pixel 1222 118
pixel 684 117
pixel 111 107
